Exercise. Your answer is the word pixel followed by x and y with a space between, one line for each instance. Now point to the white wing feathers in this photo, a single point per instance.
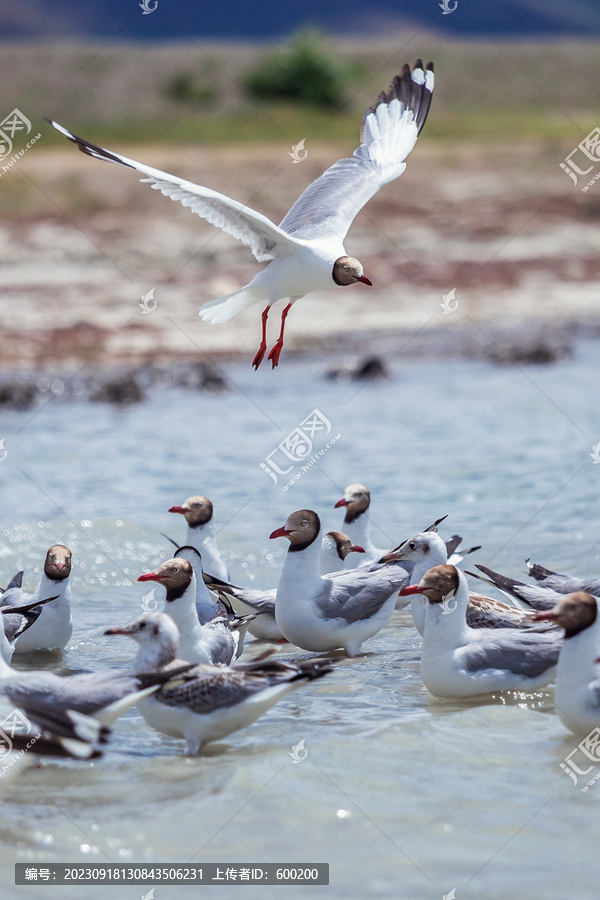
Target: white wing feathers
pixel 264 238
pixel 328 206
pixel 388 133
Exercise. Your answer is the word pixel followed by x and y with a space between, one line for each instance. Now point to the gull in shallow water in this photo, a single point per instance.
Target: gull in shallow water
pixel 213 642
pixel 340 610
pixel 577 691
pixel 201 533
pixel 54 626
pixel 306 251
pixel 105 695
pixel 335 548
pixel 209 702
pixel 460 661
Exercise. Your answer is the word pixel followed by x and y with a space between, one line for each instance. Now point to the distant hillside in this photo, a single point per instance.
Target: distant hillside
pixel 268 19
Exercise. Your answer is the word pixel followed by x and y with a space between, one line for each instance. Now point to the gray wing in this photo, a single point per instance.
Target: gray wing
pixel 220 641
pixel 261 601
pixel 566 584
pixel 265 240
pixel 388 133
pixel 14 596
pixel 519 652
pixel 15 582
pixel 85 693
pixel 352 595
pixel 212 689
pixel 536 595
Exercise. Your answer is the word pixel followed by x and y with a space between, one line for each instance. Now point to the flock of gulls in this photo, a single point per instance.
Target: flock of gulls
pixel 190 680
pixel 305 252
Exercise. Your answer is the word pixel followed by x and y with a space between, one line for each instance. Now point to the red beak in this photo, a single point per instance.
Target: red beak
pixel 150 576
pixel 60 566
pixel 365 280
pixel 546 616
pixel 279 532
pixel 357 549
pixel 412 589
pixel 178 509
pixel 342 502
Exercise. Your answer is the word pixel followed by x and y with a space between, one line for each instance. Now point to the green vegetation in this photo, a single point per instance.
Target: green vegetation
pixel 287 124
pixel 187 88
pixel 305 72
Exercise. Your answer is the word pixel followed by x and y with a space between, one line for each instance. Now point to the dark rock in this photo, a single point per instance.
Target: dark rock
pixel 17 396
pixel 121 391
pixel 367 369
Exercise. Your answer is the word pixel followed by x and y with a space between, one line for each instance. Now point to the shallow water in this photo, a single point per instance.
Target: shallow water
pixel 404 796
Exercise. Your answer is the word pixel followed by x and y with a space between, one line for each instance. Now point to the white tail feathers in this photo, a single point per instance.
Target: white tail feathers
pixel 224 308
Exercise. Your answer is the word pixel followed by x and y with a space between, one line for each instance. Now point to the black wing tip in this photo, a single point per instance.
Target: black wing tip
pixel 500 580
pixel 87 147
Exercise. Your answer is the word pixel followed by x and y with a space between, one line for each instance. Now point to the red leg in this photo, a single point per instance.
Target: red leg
pixel 278 345
pixel 260 353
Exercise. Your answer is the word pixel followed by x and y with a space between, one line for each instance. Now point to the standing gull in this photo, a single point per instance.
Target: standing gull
pixel 306 251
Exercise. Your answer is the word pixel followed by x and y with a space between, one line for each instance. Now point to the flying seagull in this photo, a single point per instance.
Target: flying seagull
pixel 306 250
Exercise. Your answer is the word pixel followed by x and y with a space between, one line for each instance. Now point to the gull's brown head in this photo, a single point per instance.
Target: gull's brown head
pixel 347 270
pixel 437 584
pixel 175 574
pixel 58 563
pixel 343 544
pixel 197 511
pixel 301 529
pixel 574 613
pixel 356 499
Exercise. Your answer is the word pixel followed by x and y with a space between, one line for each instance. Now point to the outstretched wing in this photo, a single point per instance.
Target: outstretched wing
pixel 265 239
pixel 388 133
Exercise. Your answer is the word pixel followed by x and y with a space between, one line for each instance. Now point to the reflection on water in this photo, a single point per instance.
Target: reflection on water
pixel 410 796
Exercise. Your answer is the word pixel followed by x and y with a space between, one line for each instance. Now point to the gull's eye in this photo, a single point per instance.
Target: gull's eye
pixel 440 580
pixel 175 570
pixel 412 545
pixel 346 269
pixel 142 624
pixel 197 505
pixel 304 523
